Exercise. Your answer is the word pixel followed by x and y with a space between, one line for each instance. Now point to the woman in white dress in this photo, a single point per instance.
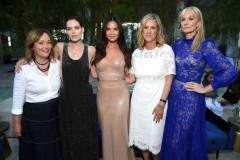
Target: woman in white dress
pixel 153 67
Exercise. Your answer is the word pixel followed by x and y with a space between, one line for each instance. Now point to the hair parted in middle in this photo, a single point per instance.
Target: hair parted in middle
pixel 161 36
pixel 200 35
pixel 102 44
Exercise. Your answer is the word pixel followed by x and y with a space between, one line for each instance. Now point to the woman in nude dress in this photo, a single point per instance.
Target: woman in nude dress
pixel 110 64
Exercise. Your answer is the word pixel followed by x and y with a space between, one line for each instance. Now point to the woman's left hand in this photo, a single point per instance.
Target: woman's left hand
pixel 196 87
pixel 158 112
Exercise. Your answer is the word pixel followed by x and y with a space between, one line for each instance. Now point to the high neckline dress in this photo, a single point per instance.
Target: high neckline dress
pixel 185 134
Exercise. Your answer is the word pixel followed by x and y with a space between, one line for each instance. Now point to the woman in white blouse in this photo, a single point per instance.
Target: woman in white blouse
pixel 153 67
pixel 35 100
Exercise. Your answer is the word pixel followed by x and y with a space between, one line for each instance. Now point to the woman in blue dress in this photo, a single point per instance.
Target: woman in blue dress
pixel 184 134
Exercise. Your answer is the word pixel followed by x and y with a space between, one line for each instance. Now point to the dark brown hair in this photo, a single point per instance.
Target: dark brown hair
pixel 102 44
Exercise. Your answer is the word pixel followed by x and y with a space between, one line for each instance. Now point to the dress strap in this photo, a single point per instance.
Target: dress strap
pixel 85 55
pixel 65 51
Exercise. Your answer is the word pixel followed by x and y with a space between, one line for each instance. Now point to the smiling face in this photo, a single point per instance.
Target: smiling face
pixel 112 31
pixel 43 46
pixel 74 30
pixel 189 24
pixel 149 31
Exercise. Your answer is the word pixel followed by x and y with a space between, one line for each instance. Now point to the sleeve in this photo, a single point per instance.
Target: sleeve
pixel 19 91
pixel 224 72
pixel 170 62
pixel 174 47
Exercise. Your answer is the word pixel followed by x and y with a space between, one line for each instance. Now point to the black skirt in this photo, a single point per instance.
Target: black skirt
pixel 40 138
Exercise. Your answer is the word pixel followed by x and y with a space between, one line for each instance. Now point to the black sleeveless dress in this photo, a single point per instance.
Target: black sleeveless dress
pixel 78 114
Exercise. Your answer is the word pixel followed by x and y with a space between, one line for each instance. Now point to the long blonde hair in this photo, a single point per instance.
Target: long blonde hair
pixel 200 35
pixel 32 37
pixel 161 37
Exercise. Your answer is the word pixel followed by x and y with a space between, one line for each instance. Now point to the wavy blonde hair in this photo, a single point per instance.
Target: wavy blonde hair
pixel 32 37
pixel 161 36
pixel 200 33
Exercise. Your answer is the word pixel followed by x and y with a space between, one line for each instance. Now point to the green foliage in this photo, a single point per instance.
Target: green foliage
pixel 221 17
pixel 19 16
pixel 167 13
pixel 121 9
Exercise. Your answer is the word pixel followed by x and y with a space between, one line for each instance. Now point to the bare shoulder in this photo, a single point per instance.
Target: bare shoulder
pixel 91 51
pixel 59 45
pixel 58 49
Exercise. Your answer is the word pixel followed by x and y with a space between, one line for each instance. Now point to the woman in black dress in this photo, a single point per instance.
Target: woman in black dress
pixel 78 114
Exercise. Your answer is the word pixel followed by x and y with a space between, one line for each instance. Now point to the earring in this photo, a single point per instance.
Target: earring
pixel 82 37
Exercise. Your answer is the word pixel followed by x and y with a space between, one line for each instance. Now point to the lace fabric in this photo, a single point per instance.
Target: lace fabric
pixel 150 68
pixel 144 146
pixel 184 134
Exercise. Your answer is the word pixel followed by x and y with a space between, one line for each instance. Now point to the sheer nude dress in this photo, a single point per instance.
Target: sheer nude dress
pixel 113 107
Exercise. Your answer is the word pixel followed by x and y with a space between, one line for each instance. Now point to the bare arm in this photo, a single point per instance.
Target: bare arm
pixel 91 56
pixel 58 50
pixel 167 86
pixel 94 72
pixel 16 120
pixel 159 109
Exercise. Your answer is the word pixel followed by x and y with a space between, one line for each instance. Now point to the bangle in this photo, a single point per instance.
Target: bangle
pixel 162 100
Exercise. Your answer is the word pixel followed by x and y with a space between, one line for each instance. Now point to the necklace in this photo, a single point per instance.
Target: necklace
pixel 42 69
pixel 40 63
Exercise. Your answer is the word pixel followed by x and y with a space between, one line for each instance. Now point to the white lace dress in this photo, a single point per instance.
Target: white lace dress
pixel 150 68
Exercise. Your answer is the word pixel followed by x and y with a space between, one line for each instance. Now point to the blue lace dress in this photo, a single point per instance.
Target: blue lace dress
pixel 184 135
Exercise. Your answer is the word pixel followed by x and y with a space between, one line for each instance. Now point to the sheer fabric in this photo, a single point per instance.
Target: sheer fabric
pixel 184 134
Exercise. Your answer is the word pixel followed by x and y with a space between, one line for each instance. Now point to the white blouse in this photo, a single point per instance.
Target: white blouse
pixel 31 85
pixel 154 63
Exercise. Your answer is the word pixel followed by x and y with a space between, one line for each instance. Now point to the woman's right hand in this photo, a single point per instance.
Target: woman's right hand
pixel 17 125
pixel 20 62
pixel 130 78
pixel 158 112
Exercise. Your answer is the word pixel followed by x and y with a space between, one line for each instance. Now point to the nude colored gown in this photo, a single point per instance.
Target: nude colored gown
pixel 113 107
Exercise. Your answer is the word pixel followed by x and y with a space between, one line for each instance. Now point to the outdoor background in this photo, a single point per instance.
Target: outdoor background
pixel 17 17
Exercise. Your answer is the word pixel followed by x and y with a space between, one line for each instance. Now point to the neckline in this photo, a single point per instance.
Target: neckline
pixel 189 39
pixel 111 61
pixel 71 57
pixel 149 50
pixel 39 71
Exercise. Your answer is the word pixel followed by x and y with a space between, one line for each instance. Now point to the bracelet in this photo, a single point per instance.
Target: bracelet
pixel 162 100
